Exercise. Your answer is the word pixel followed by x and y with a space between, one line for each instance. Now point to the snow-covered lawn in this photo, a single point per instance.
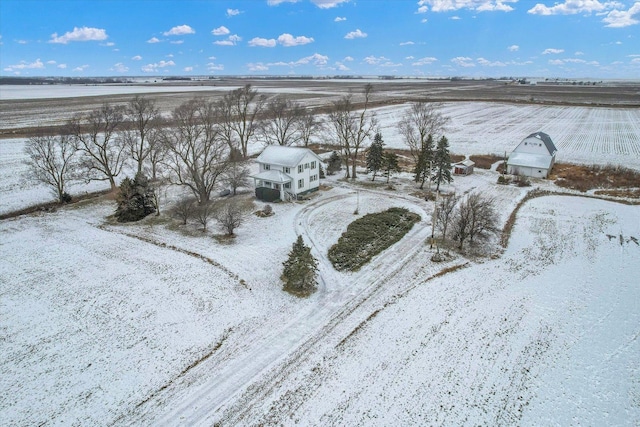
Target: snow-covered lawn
pixel 545 335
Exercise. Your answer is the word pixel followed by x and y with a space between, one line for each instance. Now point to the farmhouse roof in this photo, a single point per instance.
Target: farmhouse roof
pixel 284 156
pixel 546 139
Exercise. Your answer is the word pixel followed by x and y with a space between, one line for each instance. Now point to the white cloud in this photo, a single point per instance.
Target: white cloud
pixel 180 30
pixel 260 42
pixel 340 66
pixel 552 51
pixel 288 40
pixel 513 48
pixel 455 18
pixel 477 5
pixel 152 68
pixel 188 69
pixel 372 60
pixel 62 66
pixel 22 41
pixel 620 18
pixel 220 31
pixel 348 58
pixel 232 40
pixel 83 34
pixel 578 53
pixel 257 67
pixel 233 12
pixel 277 2
pixel 136 58
pixel 409 58
pixel 23 65
pixel 424 21
pixel 571 7
pixel 316 59
pixel 355 35
pixel 169 55
pixel 108 44
pixel 211 66
pixel 177 42
pixel 51 62
pixel 409 43
pixel 81 68
pixel 328 4
pixel 120 68
pixel 424 61
pixel 463 61
pixel 487 63
pixel 390 64
pixel 339 19
pixel 213 58
pixel 153 40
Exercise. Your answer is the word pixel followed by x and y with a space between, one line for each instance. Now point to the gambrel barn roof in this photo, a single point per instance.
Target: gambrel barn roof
pixel 546 139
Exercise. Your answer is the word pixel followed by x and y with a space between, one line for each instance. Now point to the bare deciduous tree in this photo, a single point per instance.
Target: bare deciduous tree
pixel 51 161
pixel 184 209
pixel 103 149
pixel 444 213
pixel 420 121
pixel 203 213
pixel 230 215
pixel 351 127
pixel 236 176
pixel 143 114
pixel 280 126
pixel 196 154
pixel 475 218
pixel 238 113
pixel 309 124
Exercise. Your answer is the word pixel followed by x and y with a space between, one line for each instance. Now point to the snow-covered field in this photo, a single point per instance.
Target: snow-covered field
pixel 585 135
pixel 160 324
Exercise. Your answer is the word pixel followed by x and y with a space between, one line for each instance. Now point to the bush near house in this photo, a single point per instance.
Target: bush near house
pixel 366 237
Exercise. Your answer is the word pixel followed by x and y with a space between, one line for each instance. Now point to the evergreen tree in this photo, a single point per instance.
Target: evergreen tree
pixel 300 270
pixel 442 163
pixel 423 164
pixel 375 155
pixel 135 199
pixel 390 163
pixel 334 164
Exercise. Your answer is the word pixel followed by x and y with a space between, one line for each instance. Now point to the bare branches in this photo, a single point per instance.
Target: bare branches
pixel 238 113
pixel 196 153
pixel 352 128
pixel 51 161
pixel 103 149
pixel 142 113
pixel 475 218
pixel 280 126
pixel 420 121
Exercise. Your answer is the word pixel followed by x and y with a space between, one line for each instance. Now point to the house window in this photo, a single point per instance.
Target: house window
pixel 313 165
pixel 287 185
pixel 266 167
pixel 300 168
pixel 266 184
pixel 287 170
pixel 300 183
pixel 306 165
pixel 313 178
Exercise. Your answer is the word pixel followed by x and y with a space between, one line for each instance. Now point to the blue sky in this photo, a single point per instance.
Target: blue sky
pixel 475 38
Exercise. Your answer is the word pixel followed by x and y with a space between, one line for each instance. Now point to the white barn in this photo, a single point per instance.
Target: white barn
pixel 289 171
pixel 533 157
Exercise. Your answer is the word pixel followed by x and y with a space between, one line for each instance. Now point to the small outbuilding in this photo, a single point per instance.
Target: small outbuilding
pixel 464 167
pixel 533 157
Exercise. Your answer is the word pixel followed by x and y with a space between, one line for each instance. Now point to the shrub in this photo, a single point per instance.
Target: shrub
pixel 504 180
pixel 267 210
pixel 368 236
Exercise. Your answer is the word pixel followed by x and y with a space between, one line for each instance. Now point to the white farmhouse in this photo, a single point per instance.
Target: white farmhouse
pixel 533 157
pixel 287 171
